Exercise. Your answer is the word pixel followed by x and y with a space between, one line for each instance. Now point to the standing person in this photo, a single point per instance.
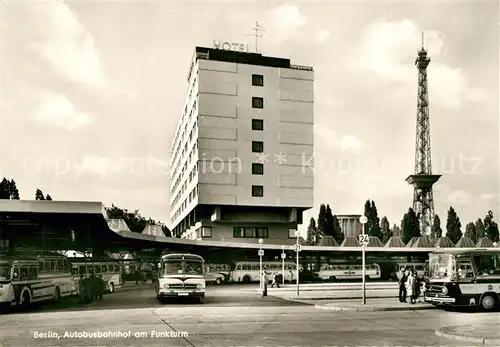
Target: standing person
pixel 275 281
pixel 402 285
pixel 412 287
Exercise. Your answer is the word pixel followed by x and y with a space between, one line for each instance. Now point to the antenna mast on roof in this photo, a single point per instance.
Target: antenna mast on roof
pixel 258 34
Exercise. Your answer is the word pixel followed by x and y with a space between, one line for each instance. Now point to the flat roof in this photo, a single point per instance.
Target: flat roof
pixel 97 209
pixel 246 58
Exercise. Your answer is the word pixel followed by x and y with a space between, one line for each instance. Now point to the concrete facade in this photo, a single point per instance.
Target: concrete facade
pixel 245 139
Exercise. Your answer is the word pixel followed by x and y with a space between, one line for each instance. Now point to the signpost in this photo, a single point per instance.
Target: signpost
pixel 261 254
pixel 283 257
pixel 297 248
pixel 363 240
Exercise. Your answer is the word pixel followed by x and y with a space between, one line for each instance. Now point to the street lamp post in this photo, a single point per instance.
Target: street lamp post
pixel 297 248
pixel 363 240
pixel 261 253
pixel 283 256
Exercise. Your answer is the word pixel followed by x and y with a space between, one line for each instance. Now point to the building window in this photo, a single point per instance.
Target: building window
pixel 258 191
pixel 257 169
pixel 257 124
pixel 262 233
pixel 292 233
pixel 206 232
pixel 258 80
pixel 238 232
pixel 257 146
pixel 250 233
pixel 257 102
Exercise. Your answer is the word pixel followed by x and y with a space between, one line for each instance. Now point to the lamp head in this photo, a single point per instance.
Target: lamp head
pixel 261 241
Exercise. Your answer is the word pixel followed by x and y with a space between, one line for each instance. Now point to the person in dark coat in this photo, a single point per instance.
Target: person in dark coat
pixel 99 287
pixel 402 285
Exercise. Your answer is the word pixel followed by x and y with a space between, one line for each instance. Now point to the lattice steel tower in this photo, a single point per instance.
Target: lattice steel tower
pixel 423 179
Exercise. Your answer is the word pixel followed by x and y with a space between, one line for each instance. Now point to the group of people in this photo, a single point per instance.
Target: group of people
pixel 91 288
pixel 409 285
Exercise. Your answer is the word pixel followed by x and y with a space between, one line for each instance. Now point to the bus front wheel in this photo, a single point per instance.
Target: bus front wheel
pixel 25 300
pixel 57 294
pixel 488 302
pixel 111 288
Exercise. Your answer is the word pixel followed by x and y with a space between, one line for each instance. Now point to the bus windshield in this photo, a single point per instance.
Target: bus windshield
pixel 441 266
pixel 179 267
pixel 5 272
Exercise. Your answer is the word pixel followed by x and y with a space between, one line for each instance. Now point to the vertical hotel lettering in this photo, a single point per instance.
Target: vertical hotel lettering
pixel 226 46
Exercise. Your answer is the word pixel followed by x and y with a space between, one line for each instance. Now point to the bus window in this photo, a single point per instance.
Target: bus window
pixel 82 270
pixel 60 265
pixel 24 272
pixel 33 271
pixel 74 271
pixel 104 269
pixel 97 269
pixel 90 269
pixel 465 269
pixel 117 268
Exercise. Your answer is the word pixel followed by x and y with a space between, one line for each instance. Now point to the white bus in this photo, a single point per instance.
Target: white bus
pixel 109 270
pixel 464 278
pixel 26 279
pixel 249 271
pixel 181 275
pixel 217 273
pixel 335 272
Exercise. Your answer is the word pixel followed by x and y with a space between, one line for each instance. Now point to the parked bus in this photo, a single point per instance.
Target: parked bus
pixel 335 272
pixel 109 270
pixel 29 278
pixel 181 275
pixel 464 278
pixel 217 273
pixel 249 271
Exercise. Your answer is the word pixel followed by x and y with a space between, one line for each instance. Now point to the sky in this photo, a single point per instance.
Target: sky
pixel 91 94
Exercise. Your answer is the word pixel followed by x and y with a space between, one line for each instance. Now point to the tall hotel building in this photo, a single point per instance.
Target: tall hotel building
pixel 238 154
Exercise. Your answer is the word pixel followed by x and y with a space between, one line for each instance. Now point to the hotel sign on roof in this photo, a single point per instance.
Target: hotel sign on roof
pixel 227 46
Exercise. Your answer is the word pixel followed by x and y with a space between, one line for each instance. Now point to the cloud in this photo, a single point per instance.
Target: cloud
pixel 348 142
pixel 459 198
pixel 322 36
pixel 66 44
pixel 289 16
pixel 59 111
pixel 389 48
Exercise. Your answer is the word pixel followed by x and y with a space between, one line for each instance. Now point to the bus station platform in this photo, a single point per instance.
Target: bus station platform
pixel 372 305
pixel 484 334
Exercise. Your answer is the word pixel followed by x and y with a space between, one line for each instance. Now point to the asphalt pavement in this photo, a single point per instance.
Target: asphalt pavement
pixel 231 316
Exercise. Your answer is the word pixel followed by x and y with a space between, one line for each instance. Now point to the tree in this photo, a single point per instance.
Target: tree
pixel 372 226
pixel 375 229
pixel 321 222
pixel 14 193
pixel 385 229
pixel 48 197
pixel 436 231
pixel 480 229
pixel 337 230
pixel 491 227
pixel 134 220
pixel 4 189
pixel 396 231
pixel 311 232
pixel 8 190
pixel 39 195
pixel 411 226
pixel 329 228
pixel 470 232
pixel 453 226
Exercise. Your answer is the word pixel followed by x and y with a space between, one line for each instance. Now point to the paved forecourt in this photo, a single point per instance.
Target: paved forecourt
pixel 255 321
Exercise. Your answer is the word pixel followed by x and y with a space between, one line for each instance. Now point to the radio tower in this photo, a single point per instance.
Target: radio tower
pixel 423 179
